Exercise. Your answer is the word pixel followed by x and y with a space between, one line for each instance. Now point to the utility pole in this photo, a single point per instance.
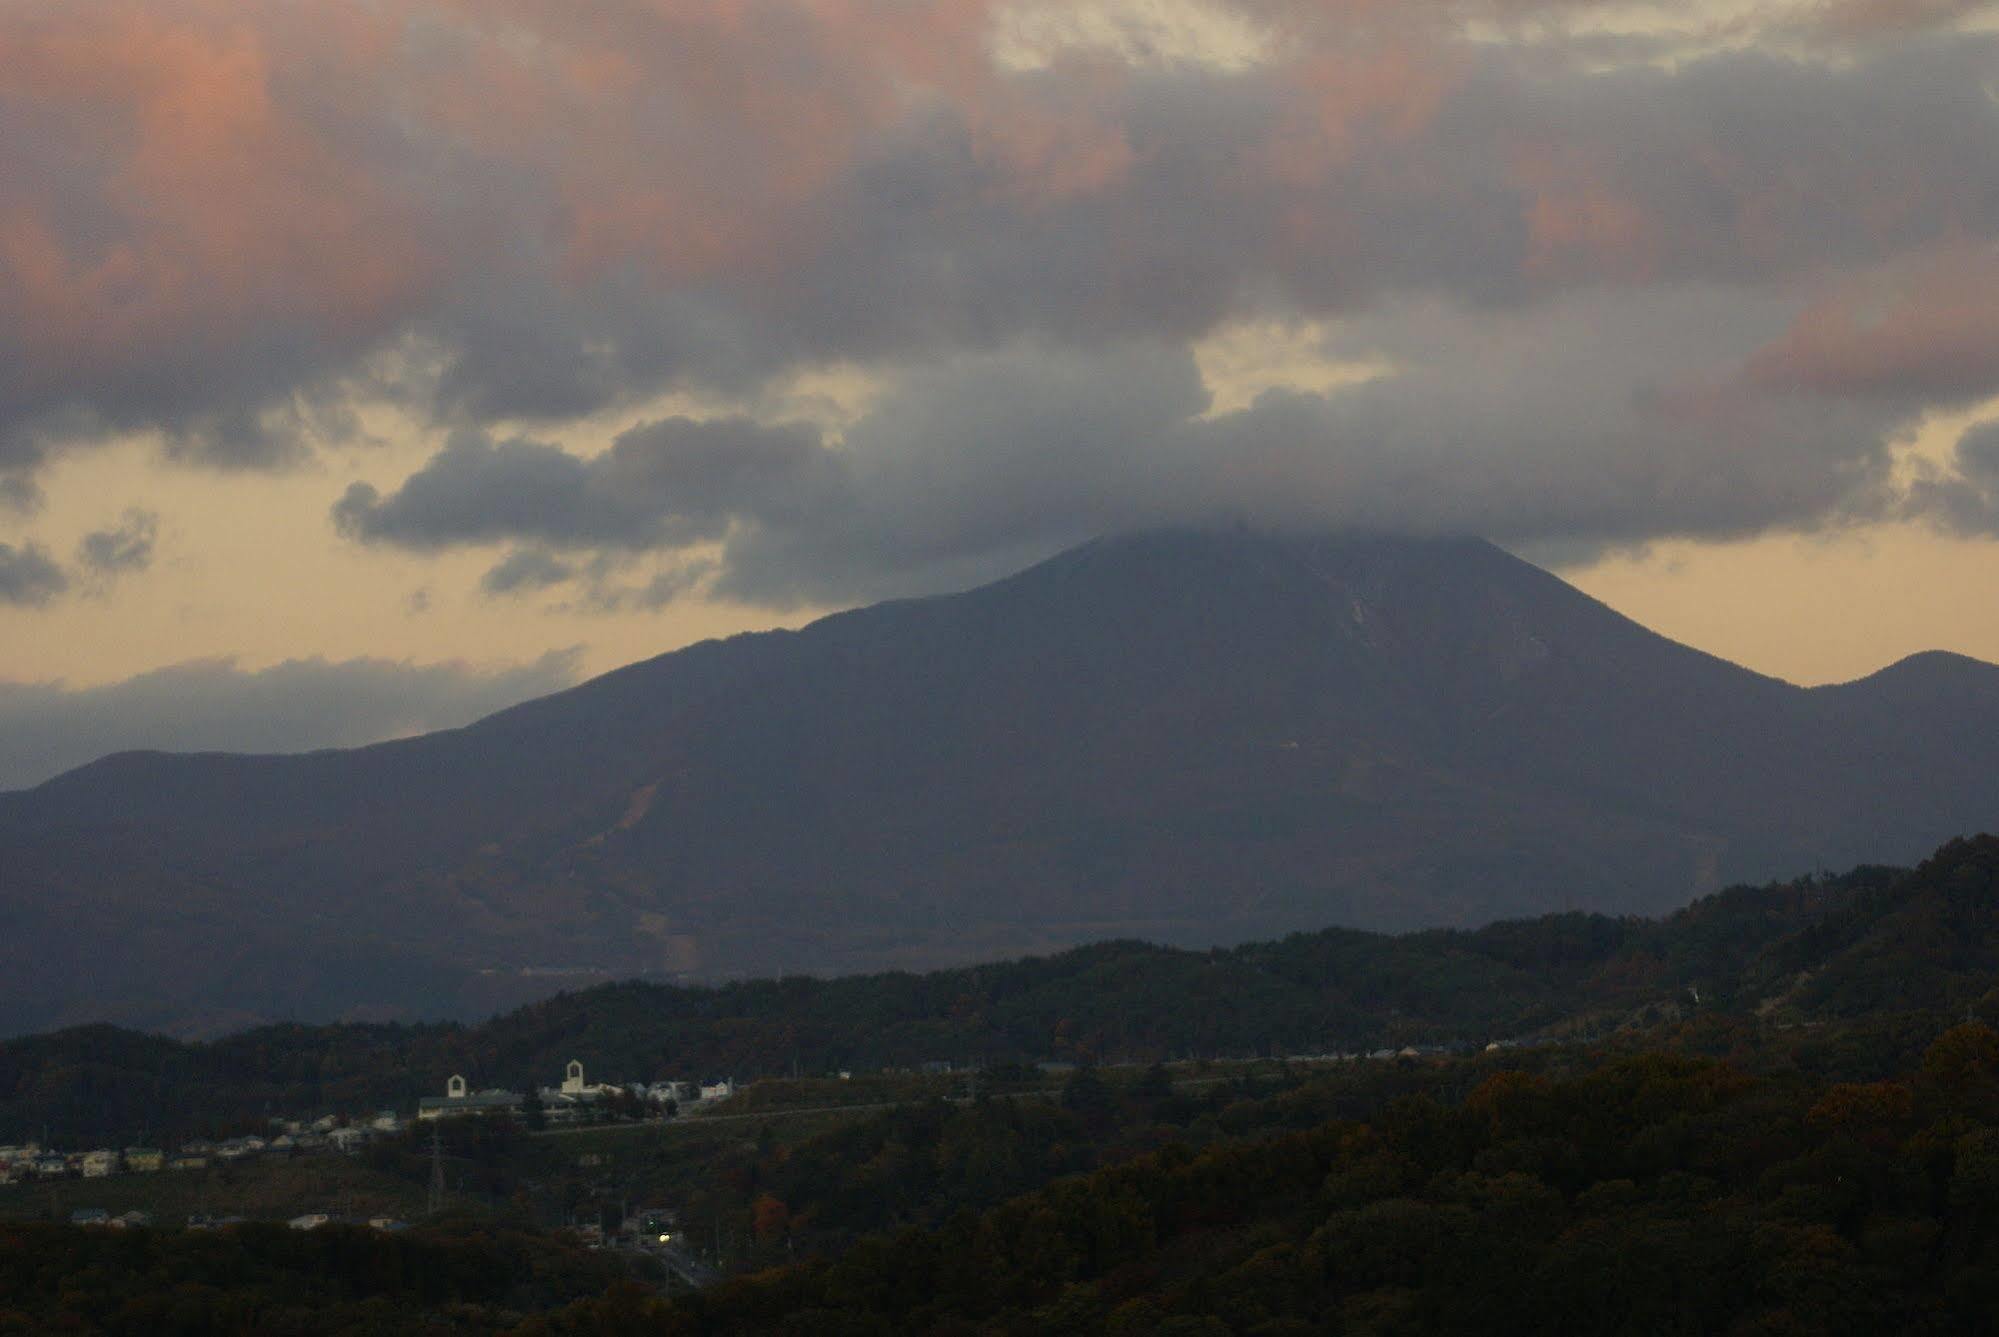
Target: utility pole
pixel 436 1173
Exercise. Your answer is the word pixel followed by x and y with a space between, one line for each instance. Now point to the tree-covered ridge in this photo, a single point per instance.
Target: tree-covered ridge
pixel 461 1278
pixel 1658 1193
pixel 1870 941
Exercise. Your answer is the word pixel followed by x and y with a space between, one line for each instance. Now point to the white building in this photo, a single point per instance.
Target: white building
pixel 458 1100
pixel 577 1088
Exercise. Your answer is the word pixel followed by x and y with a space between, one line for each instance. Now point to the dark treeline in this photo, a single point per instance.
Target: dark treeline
pixel 1814 1149
pixel 454 1278
pixel 1872 940
pixel 1580 1190
pixel 1657 1193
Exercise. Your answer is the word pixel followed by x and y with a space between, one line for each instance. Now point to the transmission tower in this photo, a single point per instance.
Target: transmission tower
pixel 436 1173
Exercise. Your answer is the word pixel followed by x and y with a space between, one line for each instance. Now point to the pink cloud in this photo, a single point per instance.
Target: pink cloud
pixel 1927 328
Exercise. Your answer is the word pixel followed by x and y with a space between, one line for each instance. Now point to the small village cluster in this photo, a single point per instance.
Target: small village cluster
pixel 97 1216
pixel 288 1137
pixel 575 1101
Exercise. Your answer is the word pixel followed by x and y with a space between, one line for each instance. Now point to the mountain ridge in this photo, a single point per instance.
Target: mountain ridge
pixel 1194 736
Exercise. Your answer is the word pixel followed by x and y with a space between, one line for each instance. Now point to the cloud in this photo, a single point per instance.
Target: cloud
pixel 1965 499
pixel 126 547
pixel 1925 330
pixel 604 594
pixel 664 484
pixel 1528 432
pixel 1875 18
pixel 523 570
pixel 215 705
pixel 235 229
pixel 224 225
pixel 29 576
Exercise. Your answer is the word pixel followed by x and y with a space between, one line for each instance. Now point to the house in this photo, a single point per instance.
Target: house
pixel 89 1216
pixel 98 1164
pixel 557 1108
pixel 347 1139
pixel 130 1221
pixel 184 1161
pixel 388 1224
pixel 457 1100
pixel 325 1124
pixel 145 1160
pixel 51 1166
pixel 284 1144
pixel 310 1221
pixel 720 1090
pixel 386 1121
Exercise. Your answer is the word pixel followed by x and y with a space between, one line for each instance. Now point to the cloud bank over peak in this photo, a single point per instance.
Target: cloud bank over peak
pixel 1667 271
pixel 1522 432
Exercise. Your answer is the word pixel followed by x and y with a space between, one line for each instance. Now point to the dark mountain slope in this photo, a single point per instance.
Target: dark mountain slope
pixel 1191 737
pixel 1769 950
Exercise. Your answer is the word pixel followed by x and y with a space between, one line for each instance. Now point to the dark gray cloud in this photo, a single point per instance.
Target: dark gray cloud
pixel 298 705
pixel 523 280
pixel 125 547
pixel 1978 454
pixel 605 591
pixel 19 493
pixel 524 570
pixel 1525 430
pixel 29 576
pixel 663 484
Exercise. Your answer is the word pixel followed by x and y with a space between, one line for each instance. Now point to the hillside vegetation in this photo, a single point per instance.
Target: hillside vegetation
pixel 1873 943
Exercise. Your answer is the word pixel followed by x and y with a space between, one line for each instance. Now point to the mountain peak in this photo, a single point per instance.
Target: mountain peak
pixel 1195 736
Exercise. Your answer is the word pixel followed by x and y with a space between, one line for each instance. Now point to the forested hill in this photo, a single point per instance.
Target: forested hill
pixel 1871 941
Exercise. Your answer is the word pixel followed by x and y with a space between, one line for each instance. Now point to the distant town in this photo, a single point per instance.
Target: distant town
pixel 576 1101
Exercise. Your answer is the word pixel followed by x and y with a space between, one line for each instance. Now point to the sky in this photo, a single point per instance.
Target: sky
pixel 367 365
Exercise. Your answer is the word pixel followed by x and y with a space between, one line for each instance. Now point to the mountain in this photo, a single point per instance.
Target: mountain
pixel 1192 737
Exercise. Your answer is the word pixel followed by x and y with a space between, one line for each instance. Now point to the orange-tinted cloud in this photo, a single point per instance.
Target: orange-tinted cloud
pixel 1926 330
pixel 218 205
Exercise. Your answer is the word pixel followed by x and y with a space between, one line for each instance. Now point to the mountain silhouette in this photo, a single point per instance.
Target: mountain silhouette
pixel 1194 736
